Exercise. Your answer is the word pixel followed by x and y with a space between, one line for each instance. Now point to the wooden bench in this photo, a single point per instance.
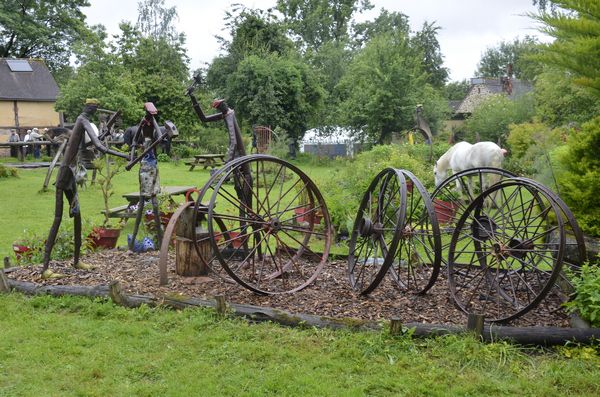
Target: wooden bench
pixel 194 162
pixel 207 160
pixel 119 212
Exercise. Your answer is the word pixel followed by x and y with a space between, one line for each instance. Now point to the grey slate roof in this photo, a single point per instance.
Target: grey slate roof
pixel 38 85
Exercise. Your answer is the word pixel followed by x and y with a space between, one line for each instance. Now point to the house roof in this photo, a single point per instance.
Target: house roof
pixel 35 85
pixel 482 87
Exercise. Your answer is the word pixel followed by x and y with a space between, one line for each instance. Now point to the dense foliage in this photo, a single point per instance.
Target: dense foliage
pixel 44 29
pixel 575 25
pixel 578 181
pixel 586 302
pixel 349 180
pixel 519 53
pixel 490 120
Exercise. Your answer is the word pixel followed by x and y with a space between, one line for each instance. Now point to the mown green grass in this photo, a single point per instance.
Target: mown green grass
pixel 25 208
pixel 76 346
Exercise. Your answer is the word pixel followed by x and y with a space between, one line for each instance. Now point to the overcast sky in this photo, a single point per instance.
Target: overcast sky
pixel 468 27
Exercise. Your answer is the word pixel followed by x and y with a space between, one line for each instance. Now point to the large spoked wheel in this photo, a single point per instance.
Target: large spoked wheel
pixel 202 238
pixel 269 225
pixel 500 261
pixel 575 252
pixel 376 230
pixel 417 259
pixel 452 197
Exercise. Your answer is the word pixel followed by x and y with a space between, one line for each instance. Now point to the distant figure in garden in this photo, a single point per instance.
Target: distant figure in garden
pixel 36 136
pixel 65 184
pixel 27 138
pixel 14 137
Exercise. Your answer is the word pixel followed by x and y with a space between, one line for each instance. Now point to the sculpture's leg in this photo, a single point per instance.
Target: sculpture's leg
pixel 138 220
pixel 58 209
pixel 157 221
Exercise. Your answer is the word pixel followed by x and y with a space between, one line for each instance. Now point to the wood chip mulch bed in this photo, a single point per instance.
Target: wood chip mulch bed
pixel 330 295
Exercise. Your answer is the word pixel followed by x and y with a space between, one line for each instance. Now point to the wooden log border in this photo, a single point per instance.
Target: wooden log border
pixel 544 336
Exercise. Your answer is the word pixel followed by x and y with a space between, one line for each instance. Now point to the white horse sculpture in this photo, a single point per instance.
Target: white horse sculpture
pixel 463 156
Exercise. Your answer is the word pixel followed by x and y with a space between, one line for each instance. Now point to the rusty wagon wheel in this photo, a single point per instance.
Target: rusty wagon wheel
pixel 200 218
pixel 417 259
pixel 501 263
pixel 376 231
pixel 575 253
pixel 271 230
pixel 452 197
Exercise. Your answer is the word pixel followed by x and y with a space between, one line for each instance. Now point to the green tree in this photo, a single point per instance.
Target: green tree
pixel 575 25
pixel 519 53
pixel 252 32
pixel 457 90
pixel 394 23
pixel 277 91
pixel 491 119
pixel 382 87
pixel 432 60
pixel 579 185
pixel 105 79
pixel 44 29
pixel 316 22
pixel 558 101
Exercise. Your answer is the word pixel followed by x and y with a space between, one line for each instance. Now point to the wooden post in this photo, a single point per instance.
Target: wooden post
pixel 395 326
pixel 4 287
pixel 187 260
pixel 475 323
pixel 221 306
pixel 117 295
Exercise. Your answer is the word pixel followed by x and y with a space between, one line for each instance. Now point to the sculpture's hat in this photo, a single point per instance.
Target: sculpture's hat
pixel 92 101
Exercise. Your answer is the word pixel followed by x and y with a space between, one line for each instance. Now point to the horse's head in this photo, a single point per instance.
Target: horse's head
pixel 438 174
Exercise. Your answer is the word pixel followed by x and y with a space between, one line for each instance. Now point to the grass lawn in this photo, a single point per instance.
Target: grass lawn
pixel 78 346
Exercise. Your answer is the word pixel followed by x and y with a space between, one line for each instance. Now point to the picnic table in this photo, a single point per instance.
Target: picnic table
pixel 207 160
pixel 124 211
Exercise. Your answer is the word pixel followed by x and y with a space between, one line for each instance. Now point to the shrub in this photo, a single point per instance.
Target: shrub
pixel 587 294
pixel 7 172
pixel 344 188
pixel 578 181
pixel 530 145
pixel 493 116
pixel 63 246
pixel 163 158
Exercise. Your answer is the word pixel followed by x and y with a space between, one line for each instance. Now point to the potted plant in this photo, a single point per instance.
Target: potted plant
pixel 106 236
pixel 445 207
pixel 166 208
pixel 304 212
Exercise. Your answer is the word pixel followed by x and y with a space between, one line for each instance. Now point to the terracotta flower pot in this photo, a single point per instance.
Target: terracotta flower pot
pixel 304 214
pixel 165 217
pixel 235 240
pixel 101 237
pixel 21 251
pixel 444 210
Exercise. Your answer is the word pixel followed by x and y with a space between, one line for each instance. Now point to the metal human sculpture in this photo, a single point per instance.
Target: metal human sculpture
pixel 243 178
pixel 236 145
pixel 65 184
pixel 148 135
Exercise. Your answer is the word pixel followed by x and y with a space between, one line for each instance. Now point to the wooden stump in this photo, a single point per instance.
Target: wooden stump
pixel 187 261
